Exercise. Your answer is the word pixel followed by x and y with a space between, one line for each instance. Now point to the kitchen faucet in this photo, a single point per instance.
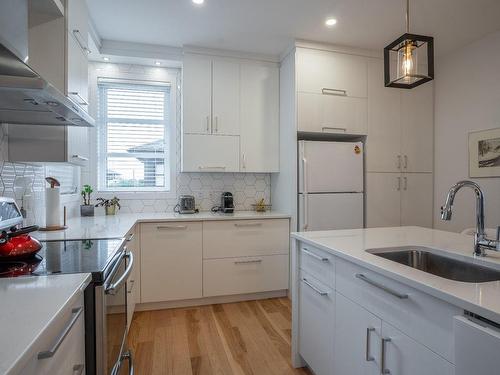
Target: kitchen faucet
pixel 481 242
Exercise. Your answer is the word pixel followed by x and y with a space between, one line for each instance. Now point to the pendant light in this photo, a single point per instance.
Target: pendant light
pixel 409 60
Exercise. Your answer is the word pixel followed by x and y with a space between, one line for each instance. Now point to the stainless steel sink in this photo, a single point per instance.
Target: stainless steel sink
pixel 443 266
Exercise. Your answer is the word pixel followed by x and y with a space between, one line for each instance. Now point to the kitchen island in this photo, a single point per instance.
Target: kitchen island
pixel 370 314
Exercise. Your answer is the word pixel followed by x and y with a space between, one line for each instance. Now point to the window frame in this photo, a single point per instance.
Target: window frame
pixel 169 136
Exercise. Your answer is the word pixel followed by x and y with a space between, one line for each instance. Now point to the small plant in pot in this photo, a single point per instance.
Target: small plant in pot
pixel 109 205
pixel 86 209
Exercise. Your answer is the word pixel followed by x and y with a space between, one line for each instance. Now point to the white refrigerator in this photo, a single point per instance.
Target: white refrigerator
pixel 330 185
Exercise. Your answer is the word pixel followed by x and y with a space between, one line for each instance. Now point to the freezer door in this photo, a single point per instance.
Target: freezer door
pixel 330 211
pixel 330 167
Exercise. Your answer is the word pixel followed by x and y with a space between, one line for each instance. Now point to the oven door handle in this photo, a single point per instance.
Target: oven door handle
pixel 111 289
pixel 118 365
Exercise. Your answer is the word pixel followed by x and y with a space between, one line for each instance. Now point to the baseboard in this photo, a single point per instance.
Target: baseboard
pixel 210 300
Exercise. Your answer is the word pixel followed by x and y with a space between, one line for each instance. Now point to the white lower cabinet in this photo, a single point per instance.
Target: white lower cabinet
pixel 171 261
pixel 404 356
pixel 317 324
pixel 357 338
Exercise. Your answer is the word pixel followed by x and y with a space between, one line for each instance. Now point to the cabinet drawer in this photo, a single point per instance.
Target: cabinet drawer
pixel 332 114
pixel 318 263
pixel 244 275
pixel 69 357
pixel 419 315
pixel 237 238
pixel 316 324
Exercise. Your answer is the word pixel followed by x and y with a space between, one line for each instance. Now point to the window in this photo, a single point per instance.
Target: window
pixel 134 136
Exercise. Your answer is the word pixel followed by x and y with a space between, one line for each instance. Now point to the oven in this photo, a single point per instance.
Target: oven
pixel 112 354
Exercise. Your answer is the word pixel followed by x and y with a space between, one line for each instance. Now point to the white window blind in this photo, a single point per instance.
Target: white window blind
pixel 134 120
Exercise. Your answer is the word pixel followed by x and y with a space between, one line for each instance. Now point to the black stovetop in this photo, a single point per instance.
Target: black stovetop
pixel 61 257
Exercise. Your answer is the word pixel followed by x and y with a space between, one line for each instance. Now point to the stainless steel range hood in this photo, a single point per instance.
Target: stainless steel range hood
pixel 25 97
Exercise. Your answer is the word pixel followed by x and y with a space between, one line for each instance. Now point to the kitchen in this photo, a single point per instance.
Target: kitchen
pixel 202 187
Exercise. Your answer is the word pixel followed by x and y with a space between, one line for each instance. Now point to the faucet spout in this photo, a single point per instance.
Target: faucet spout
pixel 480 240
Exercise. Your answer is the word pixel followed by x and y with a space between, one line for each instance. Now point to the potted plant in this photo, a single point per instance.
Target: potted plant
pixel 109 205
pixel 86 209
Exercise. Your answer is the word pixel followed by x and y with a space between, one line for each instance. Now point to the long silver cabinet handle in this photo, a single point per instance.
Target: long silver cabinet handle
pixel 405 185
pixel 84 48
pixel 399 162
pixel 243 225
pixel 82 100
pixel 203 167
pixel 381 286
pixel 131 237
pixel 383 369
pixel 170 227
pixel 399 184
pixel 80 157
pixel 333 128
pixel 248 261
pixel 368 356
pixel 405 165
pixel 208 124
pixel 316 289
pixel 111 289
pixel 50 353
pixel 337 92
pixel 132 283
pixel 312 255
pixel 78 369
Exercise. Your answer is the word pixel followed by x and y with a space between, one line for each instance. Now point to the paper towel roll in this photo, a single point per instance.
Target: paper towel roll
pixel 52 207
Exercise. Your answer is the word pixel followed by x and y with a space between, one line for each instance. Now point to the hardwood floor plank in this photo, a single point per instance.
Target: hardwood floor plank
pixel 244 338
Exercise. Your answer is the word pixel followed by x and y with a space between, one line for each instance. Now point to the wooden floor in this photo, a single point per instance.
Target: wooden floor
pixel 236 338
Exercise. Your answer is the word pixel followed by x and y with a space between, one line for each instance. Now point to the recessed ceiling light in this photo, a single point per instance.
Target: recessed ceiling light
pixel 330 22
pixel 105 58
pixel 157 63
pixel 198 2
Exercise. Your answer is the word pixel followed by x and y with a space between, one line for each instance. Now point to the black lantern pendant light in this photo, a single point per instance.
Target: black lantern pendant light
pixel 409 60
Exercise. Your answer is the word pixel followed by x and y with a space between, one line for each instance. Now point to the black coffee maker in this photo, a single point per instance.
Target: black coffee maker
pixel 227 203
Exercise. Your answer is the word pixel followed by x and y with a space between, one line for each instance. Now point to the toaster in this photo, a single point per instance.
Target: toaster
pixel 186 205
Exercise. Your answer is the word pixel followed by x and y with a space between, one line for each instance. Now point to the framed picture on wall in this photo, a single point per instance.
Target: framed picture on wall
pixel 484 153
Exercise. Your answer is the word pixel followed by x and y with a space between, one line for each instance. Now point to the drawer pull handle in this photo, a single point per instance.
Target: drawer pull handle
pixel 333 128
pixel 203 167
pixel 167 227
pixel 317 290
pixel 243 225
pixel 337 92
pixel 248 261
pixel 78 369
pixel 368 356
pixel 312 255
pixel 381 286
pixel 383 369
pixel 50 353
pixel 131 283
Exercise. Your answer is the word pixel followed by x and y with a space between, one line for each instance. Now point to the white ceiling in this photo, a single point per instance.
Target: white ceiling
pixel 269 26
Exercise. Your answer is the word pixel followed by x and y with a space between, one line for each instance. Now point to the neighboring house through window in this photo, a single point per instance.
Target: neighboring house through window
pixel 134 136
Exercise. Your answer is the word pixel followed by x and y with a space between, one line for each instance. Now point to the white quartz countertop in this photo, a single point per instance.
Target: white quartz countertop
pixel 351 245
pixel 118 225
pixel 28 306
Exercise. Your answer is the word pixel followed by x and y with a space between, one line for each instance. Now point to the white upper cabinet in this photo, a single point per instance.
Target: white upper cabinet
pixel 324 72
pixel 234 104
pixel 259 105
pixel 226 98
pixel 332 92
pixel 78 20
pixel 197 95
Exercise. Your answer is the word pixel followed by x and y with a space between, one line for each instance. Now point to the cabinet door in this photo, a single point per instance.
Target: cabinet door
pixel 332 114
pixel 259 118
pixel 78 145
pixel 210 153
pixel 383 144
pixel 417 119
pixel 197 95
pixel 323 71
pixel 383 199
pixel 226 98
pixel 78 20
pixel 404 356
pixel 417 199
pixel 316 324
pixel 171 261
pixel 357 338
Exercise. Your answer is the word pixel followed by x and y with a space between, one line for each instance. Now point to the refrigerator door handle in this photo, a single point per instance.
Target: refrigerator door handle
pixel 304 184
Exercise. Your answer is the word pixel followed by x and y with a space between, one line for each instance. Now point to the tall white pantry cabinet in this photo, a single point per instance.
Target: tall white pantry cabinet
pixel 339 92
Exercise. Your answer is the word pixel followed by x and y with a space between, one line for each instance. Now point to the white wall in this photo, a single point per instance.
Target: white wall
pixel 467 98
